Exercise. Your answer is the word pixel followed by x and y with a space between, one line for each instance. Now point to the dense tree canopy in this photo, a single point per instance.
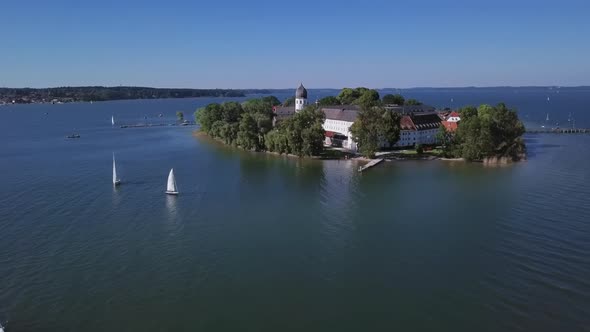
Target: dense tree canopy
pixel 100 93
pixel 485 132
pixel 329 101
pixel 412 102
pixel 373 125
pixel 396 99
pixel 357 96
pixel 250 126
pixel 302 134
pixel 289 102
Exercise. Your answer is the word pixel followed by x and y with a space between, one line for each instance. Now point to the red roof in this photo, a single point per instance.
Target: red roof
pixel 453 115
pixel 330 134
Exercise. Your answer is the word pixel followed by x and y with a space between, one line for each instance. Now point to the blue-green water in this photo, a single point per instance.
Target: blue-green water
pixel 258 242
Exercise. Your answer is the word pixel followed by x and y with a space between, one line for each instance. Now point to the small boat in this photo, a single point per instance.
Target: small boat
pixel 547 119
pixel 171 188
pixel 73 136
pixel 112 120
pixel 160 115
pixel 116 180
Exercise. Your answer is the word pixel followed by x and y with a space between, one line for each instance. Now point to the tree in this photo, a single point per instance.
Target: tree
pixel 358 96
pixel 365 131
pixel 419 149
pixel 412 102
pixel 347 96
pixel 231 111
pixel 489 132
pixel 180 116
pixel 367 97
pixel 390 127
pixel 289 102
pixel 248 133
pixel 208 115
pixel 446 140
pixel 329 101
pixel 271 100
pixel 396 99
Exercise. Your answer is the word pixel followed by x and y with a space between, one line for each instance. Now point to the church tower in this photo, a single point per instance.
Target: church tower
pixel 300 98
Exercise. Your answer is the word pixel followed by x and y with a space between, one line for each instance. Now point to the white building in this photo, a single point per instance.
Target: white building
pixel 300 98
pixel 419 128
pixel 337 125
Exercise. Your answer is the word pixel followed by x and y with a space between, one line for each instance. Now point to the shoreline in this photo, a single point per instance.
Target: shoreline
pixel 355 157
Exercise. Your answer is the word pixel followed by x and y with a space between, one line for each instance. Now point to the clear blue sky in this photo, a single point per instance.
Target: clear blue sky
pixel 277 44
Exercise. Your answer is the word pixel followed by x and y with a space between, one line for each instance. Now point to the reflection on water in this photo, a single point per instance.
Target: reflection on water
pixel 171 202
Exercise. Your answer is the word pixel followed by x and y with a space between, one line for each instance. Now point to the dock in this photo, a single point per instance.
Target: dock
pixel 559 131
pixel 370 164
pixel 146 125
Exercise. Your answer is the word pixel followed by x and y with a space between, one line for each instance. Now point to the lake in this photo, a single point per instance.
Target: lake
pixel 258 242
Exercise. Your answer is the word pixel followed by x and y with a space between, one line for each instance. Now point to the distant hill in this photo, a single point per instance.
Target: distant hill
pixel 101 93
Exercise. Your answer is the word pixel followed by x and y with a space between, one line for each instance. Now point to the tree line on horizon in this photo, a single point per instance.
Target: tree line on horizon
pixel 101 93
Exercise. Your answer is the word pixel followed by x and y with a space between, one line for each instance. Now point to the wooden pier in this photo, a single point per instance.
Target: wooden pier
pixel 559 131
pixel 370 164
pixel 146 125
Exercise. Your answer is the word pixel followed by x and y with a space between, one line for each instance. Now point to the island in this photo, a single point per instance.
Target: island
pixel 359 122
pixel 101 93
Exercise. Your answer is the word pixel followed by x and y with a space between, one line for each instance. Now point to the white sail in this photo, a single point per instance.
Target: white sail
pixel 547 119
pixel 113 120
pixel 116 181
pixel 171 186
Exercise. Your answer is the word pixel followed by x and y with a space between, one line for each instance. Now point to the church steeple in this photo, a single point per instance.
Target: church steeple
pixel 300 98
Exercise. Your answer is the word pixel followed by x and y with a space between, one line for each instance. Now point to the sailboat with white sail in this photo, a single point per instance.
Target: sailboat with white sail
pixel 112 120
pixel 171 188
pixel 116 180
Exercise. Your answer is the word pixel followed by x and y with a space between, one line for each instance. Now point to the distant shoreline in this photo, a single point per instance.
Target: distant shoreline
pixel 62 95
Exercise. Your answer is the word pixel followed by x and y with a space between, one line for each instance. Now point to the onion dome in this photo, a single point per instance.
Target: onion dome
pixel 301 92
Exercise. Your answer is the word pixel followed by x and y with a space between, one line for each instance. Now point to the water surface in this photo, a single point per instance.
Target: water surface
pixel 265 243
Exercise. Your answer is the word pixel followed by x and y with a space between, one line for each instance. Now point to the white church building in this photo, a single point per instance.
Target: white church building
pixel 418 126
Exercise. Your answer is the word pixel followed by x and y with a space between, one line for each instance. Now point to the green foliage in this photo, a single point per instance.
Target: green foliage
pixel 180 116
pixel 271 100
pixel 419 149
pixel 446 139
pixel 396 99
pixel 249 125
pixel 248 133
pixel 412 102
pixel 329 101
pixel 373 125
pixel 289 102
pixel 488 131
pixel 358 96
pixel 101 93
pixel 390 129
pixel 301 134
pixel 368 98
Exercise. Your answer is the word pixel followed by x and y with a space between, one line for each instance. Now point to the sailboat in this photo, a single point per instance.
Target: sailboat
pixel 171 188
pixel 112 120
pixel 116 180
pixel 547 119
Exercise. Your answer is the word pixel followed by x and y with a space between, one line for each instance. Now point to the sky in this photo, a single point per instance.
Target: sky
pixel 277 44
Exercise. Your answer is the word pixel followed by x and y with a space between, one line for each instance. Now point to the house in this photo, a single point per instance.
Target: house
pixel 337 125
pixel 451 121
pixel 418 128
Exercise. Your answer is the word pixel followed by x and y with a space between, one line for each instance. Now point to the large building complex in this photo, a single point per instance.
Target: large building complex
pixel 419 124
